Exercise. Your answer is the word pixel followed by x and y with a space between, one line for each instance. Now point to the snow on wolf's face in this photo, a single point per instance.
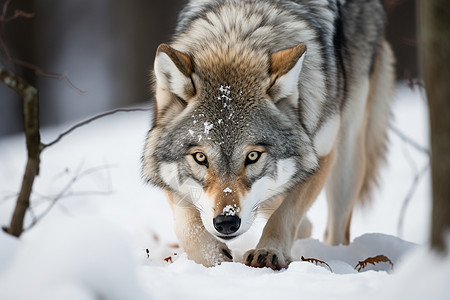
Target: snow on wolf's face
pixel 229 153
pixel 227 136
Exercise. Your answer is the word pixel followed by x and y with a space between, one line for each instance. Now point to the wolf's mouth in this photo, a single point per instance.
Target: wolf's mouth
pixel 227 237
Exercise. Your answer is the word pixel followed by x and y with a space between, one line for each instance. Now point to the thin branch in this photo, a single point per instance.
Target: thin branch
pixel 17 14
pixel 95 170
pixel 65 210
pixel 78 125
pixel 64 191
pixel 59 175
pixel 413 82
pixel 40 72
pixel 415 170
pixel 32 214
pixel 2 30
pixel 409 140
pixel 89 193
pixel 6 198
pixel 407 154
pixel 408 198
pixel 17 62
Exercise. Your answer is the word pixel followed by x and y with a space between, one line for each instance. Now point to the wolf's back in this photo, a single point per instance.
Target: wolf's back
pixel 342 38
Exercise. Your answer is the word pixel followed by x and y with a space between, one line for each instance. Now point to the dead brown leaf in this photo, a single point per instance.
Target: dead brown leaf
pixel 316 262
pixel 373 260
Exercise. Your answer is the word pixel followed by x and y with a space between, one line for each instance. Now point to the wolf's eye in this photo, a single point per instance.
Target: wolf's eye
pixel 200 158
pixel 252 157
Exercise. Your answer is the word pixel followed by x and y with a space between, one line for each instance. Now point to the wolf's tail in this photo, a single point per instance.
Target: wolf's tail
pixel 382 86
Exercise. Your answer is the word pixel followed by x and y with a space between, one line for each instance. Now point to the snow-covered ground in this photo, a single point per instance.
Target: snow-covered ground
pixel 93 243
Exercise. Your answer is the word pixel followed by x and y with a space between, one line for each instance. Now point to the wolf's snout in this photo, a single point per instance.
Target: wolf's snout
pixel 226 224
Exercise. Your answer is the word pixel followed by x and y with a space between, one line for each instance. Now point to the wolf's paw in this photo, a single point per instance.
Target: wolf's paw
pixel 226 255
pixel 267 257
pixel 215 256
pixel 211 254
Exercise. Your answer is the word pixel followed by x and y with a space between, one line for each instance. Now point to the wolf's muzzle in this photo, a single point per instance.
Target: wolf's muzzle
pixel 226 225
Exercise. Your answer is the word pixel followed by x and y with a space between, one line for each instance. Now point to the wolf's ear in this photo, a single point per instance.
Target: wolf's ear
pixel 173 71
pixel 285 67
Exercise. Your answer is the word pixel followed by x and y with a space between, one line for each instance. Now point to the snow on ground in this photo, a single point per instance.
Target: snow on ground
pixel 93 243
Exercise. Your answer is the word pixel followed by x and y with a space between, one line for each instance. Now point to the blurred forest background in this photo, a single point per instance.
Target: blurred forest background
pixel 107 48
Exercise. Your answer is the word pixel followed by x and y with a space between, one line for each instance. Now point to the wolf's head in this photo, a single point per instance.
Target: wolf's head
pixel 226 135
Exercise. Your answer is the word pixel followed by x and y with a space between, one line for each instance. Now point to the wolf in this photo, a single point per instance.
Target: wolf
pixel 259 105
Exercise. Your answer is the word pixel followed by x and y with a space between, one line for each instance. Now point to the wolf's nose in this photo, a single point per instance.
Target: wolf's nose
pixel 227 224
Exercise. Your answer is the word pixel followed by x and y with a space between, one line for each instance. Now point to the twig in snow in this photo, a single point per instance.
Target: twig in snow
pixel 419 174
pixel 409 141
pixel 408 197
pixel 64 193
pixel 6 198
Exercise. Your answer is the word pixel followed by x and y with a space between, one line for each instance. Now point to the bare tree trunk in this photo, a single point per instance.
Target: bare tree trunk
pixel 435 17
pixel 29 96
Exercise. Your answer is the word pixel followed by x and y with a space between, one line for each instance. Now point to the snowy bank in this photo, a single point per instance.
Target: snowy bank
pixel 109 236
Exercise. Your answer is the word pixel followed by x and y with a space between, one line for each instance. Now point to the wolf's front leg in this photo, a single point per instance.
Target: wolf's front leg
pixel 274 247
pixel 195 240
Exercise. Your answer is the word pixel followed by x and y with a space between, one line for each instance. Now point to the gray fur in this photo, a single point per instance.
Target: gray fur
pixel 230 43
pixel 345 34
